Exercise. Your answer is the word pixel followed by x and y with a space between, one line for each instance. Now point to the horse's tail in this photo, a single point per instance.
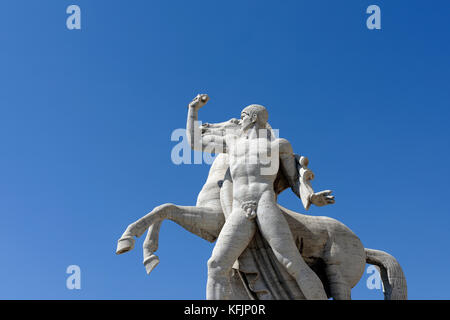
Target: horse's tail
pixel 394 282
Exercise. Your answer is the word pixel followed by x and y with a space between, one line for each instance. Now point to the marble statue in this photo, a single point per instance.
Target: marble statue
pixel 262 250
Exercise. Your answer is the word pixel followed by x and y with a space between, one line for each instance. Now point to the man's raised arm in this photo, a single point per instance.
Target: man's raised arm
pixel 198 140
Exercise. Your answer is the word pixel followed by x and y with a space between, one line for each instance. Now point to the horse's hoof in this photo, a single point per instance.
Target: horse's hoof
pixel 124 245
pixel 150 263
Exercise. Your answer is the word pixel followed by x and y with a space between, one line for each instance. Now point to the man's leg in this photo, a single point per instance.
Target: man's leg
pixel 232 241
pixel 275 229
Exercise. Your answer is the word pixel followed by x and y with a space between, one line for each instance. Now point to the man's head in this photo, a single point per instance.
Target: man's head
pixel 254 114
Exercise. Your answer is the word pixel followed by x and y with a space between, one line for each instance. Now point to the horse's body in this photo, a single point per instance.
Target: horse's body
pixel 330 248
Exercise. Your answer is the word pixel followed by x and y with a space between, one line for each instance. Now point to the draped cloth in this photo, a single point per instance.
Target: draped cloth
pixel 257 275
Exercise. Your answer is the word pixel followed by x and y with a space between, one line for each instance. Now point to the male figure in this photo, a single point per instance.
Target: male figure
pixel 254 199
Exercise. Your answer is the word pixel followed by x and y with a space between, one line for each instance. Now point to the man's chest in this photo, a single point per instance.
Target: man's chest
pixel 253 148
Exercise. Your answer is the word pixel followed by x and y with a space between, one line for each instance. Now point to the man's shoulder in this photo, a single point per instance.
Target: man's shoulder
pixel 284 145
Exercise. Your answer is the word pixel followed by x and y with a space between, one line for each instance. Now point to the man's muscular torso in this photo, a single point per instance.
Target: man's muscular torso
pixel 254 165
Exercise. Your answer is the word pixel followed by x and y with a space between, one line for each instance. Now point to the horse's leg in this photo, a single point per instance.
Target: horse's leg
pixel 339 288
pixel 197 215
pixel 202 221
pixel 151 241
pixel 150 246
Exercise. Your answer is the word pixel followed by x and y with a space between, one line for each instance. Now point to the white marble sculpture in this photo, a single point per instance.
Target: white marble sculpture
pixel 263 251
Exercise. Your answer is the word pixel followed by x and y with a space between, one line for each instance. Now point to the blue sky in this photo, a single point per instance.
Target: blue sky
pixel 86 118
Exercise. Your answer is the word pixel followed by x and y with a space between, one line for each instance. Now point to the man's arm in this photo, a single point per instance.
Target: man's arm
pixel 299 177
pixel 209 141
pixel 289 164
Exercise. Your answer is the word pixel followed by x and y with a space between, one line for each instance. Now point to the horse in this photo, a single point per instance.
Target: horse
pixel 328 246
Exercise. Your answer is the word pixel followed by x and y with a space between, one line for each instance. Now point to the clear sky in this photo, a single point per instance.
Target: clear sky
pixel 86 118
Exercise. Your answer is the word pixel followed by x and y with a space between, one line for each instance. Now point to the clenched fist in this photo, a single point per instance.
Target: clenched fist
pixel 199 101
